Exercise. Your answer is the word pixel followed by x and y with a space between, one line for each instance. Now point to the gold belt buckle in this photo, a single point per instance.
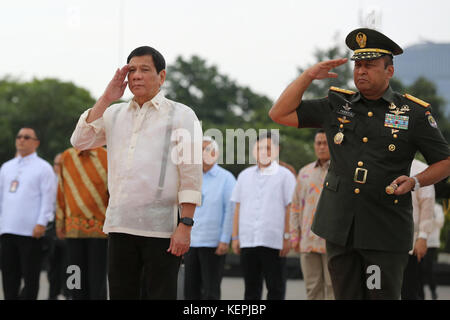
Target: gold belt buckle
pixel 357 175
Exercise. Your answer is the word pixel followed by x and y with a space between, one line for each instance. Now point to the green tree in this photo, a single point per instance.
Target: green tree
pixel 50 105
pixel 214 97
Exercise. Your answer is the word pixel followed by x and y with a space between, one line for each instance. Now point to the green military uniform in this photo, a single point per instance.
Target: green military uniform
pixel 371 144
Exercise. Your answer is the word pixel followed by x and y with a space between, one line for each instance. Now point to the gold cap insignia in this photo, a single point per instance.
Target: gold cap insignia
pixel 361 39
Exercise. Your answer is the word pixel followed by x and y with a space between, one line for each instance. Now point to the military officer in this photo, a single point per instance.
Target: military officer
pixel 365 211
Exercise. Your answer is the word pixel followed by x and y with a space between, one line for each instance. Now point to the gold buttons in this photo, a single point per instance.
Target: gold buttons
pixel 357 191
pixel 391 147
pixel 326 184
pixel 370 114
pixel 360 164
pixel 365 139
pixel 341 126
pixel 395 201
pixel 395 136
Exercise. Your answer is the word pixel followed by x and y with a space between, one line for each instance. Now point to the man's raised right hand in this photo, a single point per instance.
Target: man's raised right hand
pixel 322 69
pixel 116 87
pixel 114 91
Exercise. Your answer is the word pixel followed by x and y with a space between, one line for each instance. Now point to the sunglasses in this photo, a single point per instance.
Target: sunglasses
pixel 26 137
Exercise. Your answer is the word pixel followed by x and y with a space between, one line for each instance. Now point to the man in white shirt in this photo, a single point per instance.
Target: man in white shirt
pixel 426 266
pixel 423 201
pixel 27 198
pixel 263 194
pixel 154 166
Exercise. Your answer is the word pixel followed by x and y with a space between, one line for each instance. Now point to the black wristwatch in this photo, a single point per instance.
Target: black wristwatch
pixel 187 221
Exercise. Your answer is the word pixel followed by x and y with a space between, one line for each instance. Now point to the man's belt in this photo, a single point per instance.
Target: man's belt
pixel 360 175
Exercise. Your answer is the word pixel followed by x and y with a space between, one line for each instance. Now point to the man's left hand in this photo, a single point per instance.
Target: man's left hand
pixel 405 184
pixel 420 248
pixel 38 231
pixel 286 248
pixel 222 249
pixel 180 240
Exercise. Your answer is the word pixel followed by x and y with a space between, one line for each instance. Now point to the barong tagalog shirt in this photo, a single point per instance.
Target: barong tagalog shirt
pixel 154 163
pixel 303 207
pixel 263 195
pixel 423 201
pixel 82 193
pixel 214 218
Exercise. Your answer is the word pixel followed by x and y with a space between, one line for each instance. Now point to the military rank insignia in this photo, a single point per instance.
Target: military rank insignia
pixel 396 121
pixel 345 111
pixel 361 39
pixel 431 121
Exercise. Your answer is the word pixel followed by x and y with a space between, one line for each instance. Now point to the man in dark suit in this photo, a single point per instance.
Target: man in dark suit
pixel 365 211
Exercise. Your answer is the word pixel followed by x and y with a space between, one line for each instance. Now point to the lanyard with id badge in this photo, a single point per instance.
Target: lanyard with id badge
pixel 15 183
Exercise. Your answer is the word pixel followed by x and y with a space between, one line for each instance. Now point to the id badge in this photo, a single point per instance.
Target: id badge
pixel 14 186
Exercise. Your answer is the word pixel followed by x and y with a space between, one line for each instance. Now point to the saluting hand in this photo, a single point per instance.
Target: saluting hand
pixel 114 91
pixel 116 87
pixel 322 69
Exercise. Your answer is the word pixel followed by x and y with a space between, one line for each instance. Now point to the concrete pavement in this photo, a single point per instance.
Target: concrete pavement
pixel 233 289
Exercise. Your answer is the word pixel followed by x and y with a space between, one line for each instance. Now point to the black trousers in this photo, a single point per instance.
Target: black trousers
pixel 426 274
pixel 263 263
pixel 141 268
pixel 21 258
pixel 354 272
pixel 203 274
pixel 57 267
pixel 90 255
pixel 411 280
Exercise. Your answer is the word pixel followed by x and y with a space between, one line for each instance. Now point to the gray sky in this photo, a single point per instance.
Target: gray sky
pixel 258 43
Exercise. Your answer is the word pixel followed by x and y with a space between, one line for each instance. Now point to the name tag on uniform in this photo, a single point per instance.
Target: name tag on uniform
pixel 14 185
pixel 345 111
pixel 396 121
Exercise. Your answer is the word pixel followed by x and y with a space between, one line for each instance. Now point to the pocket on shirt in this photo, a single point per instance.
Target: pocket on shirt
pixel 331 182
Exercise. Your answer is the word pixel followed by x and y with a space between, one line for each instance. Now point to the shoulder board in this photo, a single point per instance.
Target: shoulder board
pixel 342 90
pixel 417 100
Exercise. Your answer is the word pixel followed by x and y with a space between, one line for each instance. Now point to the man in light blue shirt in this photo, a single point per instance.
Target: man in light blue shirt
pixel 211 233
pixel 27 199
